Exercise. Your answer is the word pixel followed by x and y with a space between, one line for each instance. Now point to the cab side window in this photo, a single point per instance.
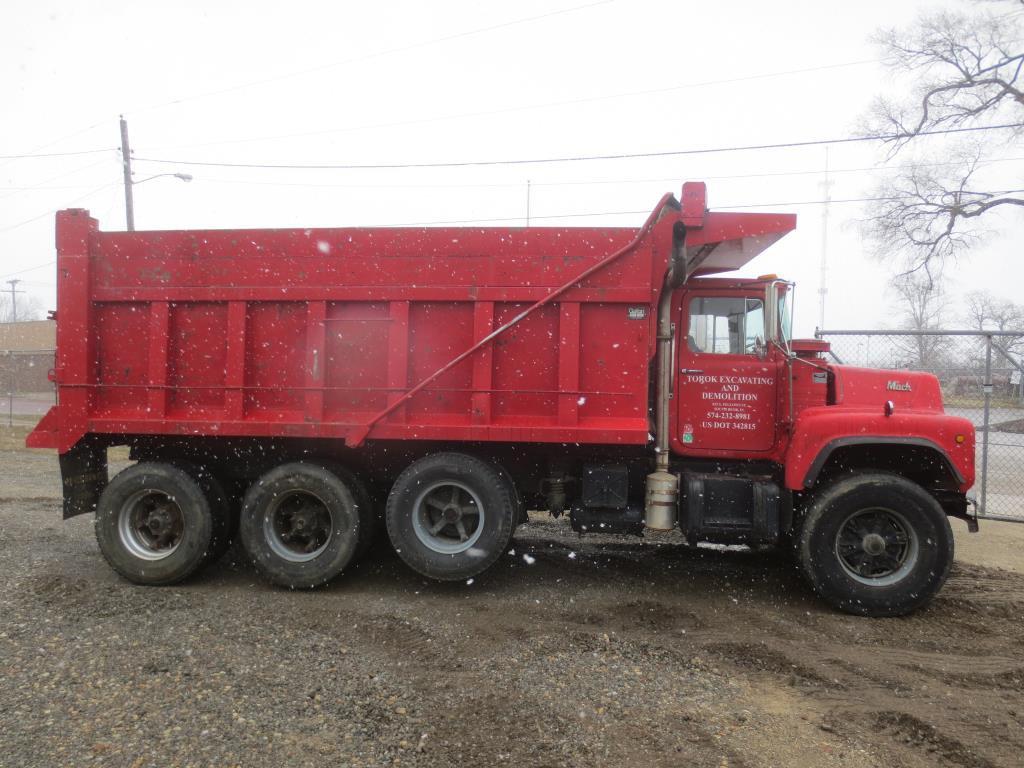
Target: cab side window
pixel 726 325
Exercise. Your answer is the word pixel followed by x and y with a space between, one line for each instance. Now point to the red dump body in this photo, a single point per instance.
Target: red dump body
pixel 373 333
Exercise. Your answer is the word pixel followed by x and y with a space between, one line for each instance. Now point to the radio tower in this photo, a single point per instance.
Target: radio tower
pixel 826 186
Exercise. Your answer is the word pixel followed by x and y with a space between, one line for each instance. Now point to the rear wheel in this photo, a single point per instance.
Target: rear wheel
pixel 154 523
pixel 521 515
pixel 875 545
pixel 450 516
pixel 300 525
pixel 223 509
pixel 364 503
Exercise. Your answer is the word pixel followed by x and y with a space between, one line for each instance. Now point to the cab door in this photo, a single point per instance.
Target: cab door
pixel 728 377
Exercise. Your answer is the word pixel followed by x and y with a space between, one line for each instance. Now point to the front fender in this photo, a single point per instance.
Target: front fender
pixel 820 431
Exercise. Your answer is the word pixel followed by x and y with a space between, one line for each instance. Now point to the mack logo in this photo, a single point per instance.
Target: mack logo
pixel 897 386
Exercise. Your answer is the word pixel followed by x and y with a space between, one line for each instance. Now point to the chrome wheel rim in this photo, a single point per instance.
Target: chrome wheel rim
pixel 448 517
pixel 298 526
pixel 877 546
pixel 150 525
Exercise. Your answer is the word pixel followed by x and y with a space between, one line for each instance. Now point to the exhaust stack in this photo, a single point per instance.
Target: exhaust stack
pixel 661 498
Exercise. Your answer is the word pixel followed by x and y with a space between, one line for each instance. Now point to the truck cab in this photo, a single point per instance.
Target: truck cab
pixel 774 443
pixel 745 389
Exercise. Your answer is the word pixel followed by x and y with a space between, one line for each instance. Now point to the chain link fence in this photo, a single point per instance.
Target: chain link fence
pixel 980 373
pixel 27 389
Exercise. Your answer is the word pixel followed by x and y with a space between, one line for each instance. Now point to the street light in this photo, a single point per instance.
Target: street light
pixel 129 201
pixel 182 176
pixel 129 182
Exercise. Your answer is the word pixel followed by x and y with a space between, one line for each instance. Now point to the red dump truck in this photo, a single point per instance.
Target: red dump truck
pixel 304 388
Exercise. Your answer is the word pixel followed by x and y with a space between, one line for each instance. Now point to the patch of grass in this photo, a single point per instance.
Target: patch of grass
pixel 13 438
pixel 965 401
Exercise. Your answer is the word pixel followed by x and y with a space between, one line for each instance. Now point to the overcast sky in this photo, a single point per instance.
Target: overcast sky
pixel 413 82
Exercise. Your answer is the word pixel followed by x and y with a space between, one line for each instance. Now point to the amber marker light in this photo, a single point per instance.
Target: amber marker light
pixel 960 439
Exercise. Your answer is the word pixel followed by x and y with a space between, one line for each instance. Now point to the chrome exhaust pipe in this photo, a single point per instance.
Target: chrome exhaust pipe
pixel 661 498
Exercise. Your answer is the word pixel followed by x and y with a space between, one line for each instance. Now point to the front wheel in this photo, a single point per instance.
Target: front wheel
pixel 875 545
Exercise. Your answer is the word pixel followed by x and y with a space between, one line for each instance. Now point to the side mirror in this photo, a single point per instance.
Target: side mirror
pixel 760 348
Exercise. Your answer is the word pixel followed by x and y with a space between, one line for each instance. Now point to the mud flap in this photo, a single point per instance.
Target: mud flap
pixel 960 506
pixel 83 471
pixel 971 517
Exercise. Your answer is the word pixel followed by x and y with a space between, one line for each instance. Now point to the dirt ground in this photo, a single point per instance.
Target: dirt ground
pixel 571 652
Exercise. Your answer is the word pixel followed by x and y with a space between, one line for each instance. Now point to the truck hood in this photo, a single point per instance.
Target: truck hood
pixel 872 387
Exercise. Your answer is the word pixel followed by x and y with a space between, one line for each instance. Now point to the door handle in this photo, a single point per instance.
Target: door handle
pixel 690 371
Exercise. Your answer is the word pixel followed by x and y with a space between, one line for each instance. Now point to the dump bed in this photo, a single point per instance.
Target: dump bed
pixel 356 333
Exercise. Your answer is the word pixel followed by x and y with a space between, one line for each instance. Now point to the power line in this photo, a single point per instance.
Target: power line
pixel 843 200
pixel 14 291
pixel 590 214
pixel 42 184
pixel 593 182
pixel 43 188
pixel 375 54
pixel 57 154
pixel 551 217
pixel 570 159
pixel 63 138
pixel 50 211
pixel 722 208
pixel 524 107
pixel 459 116
pixel 29 269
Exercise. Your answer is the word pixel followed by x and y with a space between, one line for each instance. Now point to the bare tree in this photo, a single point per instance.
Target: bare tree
pixel 986 312
pixel 921 304
pixel 29 308
pixel 964 70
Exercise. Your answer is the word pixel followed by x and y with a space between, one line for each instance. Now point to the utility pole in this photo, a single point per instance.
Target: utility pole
pixel 14 299
pixel 126 164
pixel 527 202
pixel 823 282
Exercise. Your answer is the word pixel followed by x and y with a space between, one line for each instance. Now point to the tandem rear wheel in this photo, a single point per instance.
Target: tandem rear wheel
pixel 875 545
pixel 223 509
pixel 450 516
pixel 303 523
pixel 155 523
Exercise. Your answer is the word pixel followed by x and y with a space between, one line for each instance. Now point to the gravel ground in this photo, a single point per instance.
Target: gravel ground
pixel 601 651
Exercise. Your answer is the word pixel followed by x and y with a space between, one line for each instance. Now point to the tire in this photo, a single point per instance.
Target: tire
pixel 364 504
pixel 300 525
pixel 154 524
pixel 481 514
pixel 875 545
pixel 223 507
pixel 521 515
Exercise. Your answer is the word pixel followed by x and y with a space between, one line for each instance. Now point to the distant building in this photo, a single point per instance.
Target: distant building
pixel 26 355
pixel 29 336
